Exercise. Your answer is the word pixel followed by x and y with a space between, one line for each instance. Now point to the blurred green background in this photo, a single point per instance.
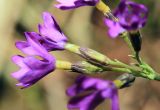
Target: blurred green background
pixel 83 26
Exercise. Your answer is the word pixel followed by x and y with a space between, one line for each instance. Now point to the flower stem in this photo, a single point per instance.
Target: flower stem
pixel 126 39
pixel 95 57
pixel 72 48
pixel 101 6
pixel 157 77
pixel 120 70
pixel 101 61
pixel 123 65
pixel 138 57
pixel 65 65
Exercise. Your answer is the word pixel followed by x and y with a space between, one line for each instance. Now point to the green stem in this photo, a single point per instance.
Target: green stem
pixel 157 77
pixel 121 70
pixel 65 65
pixel 98 56
pixel 127 40
pixel 123 65
pixel 138 57
pixel 72 48
pixel 102 61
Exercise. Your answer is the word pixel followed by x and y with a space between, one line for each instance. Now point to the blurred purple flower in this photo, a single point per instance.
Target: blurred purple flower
pixel 53 37
pixel 87 93
pixel 32 69
pixel 70 4
pixel 114 28
pixel 131 15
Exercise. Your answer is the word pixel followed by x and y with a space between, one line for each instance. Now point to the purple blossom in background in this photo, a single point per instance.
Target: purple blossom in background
pixel 32 69
pixel 114 28
pixel 87 93
pixel 52 36
pixel 131 15
pixel 71 4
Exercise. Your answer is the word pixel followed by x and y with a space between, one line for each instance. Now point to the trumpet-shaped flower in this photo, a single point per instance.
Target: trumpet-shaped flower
pixel 87 93
pixel 32 69
pixel 53 37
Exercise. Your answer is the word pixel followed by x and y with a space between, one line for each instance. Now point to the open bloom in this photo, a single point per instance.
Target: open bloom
pixel 87 93
pixel 131 15
pixel 52 36
pixel 71 4
pixel 32 69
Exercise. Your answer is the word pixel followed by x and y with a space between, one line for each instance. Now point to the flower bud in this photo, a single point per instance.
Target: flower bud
pixel 94 57
pixel 85 67
pixel 126 79
pixel 136 40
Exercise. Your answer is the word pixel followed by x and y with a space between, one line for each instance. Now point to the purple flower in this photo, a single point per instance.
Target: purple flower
pixel 32 69
pixel 131 15
pixel 52 36
pixel 114 28
pixel 70 4
pixel 87 93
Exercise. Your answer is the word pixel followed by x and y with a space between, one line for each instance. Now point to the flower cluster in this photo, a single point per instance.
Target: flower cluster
pixel 86 93
pixel 49 38
pixel 32 69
